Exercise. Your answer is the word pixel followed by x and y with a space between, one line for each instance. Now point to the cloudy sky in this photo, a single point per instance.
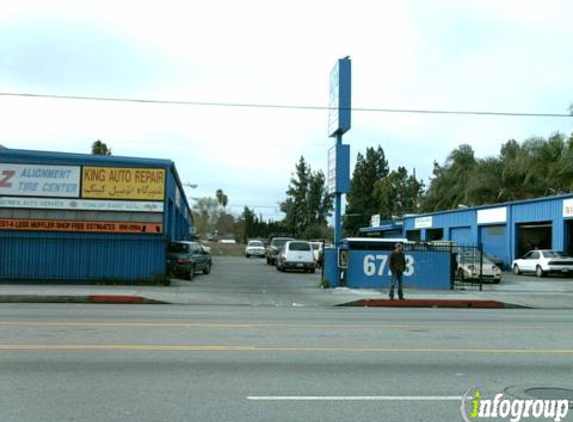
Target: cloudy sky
pixel 482 55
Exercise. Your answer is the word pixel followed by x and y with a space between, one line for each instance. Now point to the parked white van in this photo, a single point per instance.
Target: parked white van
pixel 296 255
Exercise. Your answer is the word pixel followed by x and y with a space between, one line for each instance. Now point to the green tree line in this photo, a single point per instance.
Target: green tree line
pixel 534 168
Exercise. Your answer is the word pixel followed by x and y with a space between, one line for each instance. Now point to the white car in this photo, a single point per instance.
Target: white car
pixel 255 248
pixel 543 261
pixel 471 267
pixel 296 255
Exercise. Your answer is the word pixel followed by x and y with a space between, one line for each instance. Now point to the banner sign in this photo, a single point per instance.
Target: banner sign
pixel 492 215
pixel 80 226
pixel 423 222
pixel 80 204
pixel 39 180
pixel 567 208
pixel 123 183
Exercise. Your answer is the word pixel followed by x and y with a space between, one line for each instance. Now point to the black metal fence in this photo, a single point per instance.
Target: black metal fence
pixel 470 267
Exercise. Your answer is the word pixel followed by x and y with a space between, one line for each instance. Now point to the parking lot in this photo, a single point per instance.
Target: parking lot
pixel 240 280
pixel 236 280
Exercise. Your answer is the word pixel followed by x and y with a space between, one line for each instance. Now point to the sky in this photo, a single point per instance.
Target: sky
pixel 482 55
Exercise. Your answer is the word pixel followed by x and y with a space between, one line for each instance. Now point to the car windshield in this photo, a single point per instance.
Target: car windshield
pixel 299 246
pixel 178 248
pixel 279 242
pixel 555 254
pixel 256 243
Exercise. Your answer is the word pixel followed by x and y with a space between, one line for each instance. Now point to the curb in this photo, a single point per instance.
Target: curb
pixel 123 299
pixel 93 299
pixel 431 303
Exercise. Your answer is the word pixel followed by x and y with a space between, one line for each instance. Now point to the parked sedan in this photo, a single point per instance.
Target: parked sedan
pixel 255 248
pixel 296 255
pixel 185 258
pixel 543 261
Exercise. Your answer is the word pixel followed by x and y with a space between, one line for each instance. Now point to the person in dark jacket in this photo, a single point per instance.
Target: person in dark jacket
pixel 397 266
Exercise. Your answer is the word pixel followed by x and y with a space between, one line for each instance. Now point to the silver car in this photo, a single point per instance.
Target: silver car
pixel 475 266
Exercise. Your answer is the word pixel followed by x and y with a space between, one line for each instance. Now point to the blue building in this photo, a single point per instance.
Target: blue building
pixel 506 230
pixel 86 218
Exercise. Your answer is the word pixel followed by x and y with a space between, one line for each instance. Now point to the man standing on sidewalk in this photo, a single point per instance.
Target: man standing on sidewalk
pixel 397 266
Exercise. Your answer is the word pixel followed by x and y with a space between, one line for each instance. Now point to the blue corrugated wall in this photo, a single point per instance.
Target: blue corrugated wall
pixel 73 257
pixel 456 223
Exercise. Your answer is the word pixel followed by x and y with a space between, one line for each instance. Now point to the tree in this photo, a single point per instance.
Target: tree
pixel 448 187
pixel 307 205
pixel 398 194
pixel 205 215
pixel 100 148
pixel 536 167
pixel 222 199
pixel 362 203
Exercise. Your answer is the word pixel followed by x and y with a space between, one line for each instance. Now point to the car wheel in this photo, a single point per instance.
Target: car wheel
pixel 539 271
pixel 516 270
pixel 248 256
pixel 191 273
pixel 207 269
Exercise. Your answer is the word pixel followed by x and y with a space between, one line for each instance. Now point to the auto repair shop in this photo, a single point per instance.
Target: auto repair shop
pixel 87 218
pixel 507 230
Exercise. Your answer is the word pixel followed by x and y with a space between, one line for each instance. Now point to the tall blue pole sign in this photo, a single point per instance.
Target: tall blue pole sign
pixel 338 124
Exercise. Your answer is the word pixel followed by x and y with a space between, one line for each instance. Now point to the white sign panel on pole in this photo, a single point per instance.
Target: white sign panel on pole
pixel 375 220
pixel 331 176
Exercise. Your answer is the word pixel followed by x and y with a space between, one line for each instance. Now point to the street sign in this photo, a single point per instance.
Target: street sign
pixel 339 98
pixel 338 174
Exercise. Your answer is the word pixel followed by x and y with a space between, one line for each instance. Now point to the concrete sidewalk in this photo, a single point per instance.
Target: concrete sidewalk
pixel 512 292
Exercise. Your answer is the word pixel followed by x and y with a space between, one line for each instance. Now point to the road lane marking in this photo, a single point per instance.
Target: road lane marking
pixel 493 327
pixel 247 348
pixel 120 324
pixel 120 347
pixel 355 398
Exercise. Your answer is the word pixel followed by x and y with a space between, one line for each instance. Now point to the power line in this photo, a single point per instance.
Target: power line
pixel 283 106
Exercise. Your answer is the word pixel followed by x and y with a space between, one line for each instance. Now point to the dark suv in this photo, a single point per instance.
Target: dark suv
pixel 273 248
pixel 185 258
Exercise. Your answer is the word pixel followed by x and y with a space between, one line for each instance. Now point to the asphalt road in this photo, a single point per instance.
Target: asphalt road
pixel 175 363
pixel 265 362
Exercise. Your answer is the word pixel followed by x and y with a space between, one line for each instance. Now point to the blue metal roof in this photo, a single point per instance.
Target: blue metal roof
pixel 382 227
pixel 497 205
pixel 42 157
pixel 67 158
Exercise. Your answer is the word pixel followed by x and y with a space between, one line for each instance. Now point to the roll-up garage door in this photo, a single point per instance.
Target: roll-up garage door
pixel 534 235
pixel 462 235
pixel 494 241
